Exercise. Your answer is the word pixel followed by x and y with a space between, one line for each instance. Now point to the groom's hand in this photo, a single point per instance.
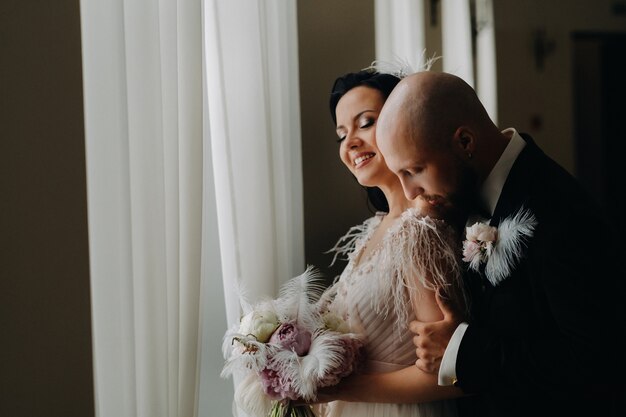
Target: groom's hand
pixel 431 338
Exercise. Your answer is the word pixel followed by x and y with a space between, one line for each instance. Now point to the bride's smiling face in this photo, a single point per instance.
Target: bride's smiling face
pixel 357 112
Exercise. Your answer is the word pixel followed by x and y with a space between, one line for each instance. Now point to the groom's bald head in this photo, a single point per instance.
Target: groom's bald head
pixel 436 136
pixel 430 106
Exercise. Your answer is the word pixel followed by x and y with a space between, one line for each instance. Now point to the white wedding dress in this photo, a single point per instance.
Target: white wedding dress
pixel 372 295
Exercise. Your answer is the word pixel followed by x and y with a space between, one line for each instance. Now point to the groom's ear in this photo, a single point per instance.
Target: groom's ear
pixel 464 141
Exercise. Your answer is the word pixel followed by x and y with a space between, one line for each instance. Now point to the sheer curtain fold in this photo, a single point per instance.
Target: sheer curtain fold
pixel 486 74
pixel 400 31
pixel 253 128
pixel 147 206
pixel 456 35
pixel 252 90
pixel 143 125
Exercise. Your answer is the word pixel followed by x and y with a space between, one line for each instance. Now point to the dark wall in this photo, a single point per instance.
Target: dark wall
pixel 334 37
pixel 45 330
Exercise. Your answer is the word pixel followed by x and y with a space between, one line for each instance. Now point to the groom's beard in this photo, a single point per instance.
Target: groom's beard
pixel 455 207
pixel 466 198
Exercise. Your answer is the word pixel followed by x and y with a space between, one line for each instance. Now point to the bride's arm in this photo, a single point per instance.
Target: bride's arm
pixel 405 386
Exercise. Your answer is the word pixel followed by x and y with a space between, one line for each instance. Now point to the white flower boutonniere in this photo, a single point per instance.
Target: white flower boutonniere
pixel 499 248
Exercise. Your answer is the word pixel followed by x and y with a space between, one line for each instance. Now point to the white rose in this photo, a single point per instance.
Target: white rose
pixel 482 233
pixel 261 324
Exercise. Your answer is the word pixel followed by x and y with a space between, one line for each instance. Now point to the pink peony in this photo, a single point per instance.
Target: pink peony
pixel 291 337
pixel 275 385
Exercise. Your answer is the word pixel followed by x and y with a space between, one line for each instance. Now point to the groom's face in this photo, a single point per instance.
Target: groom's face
pixel 435 174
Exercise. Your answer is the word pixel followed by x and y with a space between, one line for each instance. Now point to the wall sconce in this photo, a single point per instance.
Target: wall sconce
pixel 542 47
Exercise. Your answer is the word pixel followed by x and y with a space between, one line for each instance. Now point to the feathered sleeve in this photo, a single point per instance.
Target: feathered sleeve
pixel 347 245
pixel 419 252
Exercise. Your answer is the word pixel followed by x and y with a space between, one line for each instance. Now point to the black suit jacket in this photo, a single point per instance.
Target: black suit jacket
pixel 548 340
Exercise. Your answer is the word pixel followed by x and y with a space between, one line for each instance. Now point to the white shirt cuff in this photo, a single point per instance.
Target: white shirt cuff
pixel 447 370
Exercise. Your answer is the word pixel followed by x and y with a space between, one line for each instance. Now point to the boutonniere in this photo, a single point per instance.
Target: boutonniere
pixel 498 248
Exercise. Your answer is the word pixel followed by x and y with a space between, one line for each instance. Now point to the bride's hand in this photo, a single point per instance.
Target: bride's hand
pixel 326 395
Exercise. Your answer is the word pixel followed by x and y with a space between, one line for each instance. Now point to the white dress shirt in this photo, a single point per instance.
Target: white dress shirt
pixel 490 193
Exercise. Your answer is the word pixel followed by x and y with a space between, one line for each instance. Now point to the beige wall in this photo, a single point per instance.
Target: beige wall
pixel 45 340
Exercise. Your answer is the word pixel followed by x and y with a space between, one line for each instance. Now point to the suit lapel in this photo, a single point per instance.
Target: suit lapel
pixel 513 196
pixel 517 184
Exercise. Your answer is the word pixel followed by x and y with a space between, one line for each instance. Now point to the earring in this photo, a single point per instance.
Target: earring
pixel 469 155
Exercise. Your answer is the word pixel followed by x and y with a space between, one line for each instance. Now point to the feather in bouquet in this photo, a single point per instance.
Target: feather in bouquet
pixel 289 347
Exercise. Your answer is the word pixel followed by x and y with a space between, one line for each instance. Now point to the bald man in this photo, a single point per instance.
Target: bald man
pixel 546 332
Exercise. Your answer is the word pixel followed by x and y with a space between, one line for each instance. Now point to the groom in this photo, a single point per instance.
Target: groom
pixel 547 325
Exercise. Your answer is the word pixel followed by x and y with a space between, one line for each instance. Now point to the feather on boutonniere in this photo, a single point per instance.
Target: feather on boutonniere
pixel 498 248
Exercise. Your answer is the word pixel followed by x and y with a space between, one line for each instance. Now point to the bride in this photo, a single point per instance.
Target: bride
pixel 398 260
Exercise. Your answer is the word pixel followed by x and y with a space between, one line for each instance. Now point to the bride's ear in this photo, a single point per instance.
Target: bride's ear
pixel 464 142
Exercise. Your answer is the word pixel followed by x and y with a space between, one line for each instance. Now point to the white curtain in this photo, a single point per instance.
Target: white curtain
pixel 478 67
pixel 183 186
pixel 251 80
pixel 252 89
pixel 456 36
pixel 400 31
pixel 143 122
pixel 486 74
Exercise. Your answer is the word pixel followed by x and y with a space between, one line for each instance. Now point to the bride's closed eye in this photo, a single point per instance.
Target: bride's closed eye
pixel 366 122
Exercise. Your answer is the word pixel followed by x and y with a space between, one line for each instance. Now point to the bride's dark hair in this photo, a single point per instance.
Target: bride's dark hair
pixel 384 83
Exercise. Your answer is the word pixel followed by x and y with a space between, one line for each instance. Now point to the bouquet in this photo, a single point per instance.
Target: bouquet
pixel 288 348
